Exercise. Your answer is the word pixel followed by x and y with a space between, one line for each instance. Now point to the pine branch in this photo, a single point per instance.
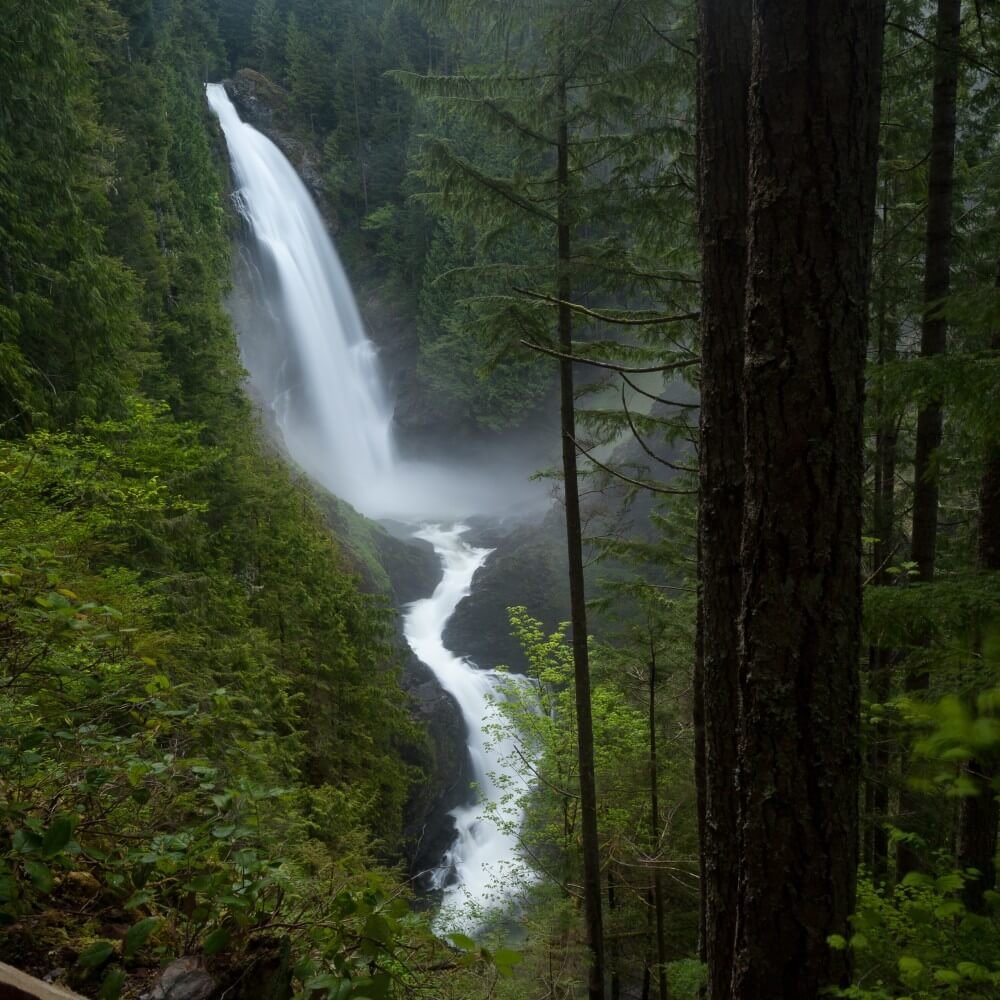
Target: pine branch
pixel 963 53
pixel 659 399
pixel 645 447
pixel 652 487
pixel 494 184
pixel 670 367
pixel 606 317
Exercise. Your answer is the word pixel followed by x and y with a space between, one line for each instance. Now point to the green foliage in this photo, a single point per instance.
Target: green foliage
pixel 920 942
pixel 540 716
pixel 200 717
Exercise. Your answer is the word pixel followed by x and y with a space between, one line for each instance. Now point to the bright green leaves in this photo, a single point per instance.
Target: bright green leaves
pixel 35 851
pixel 216 941
pixel 502 959
pixel 337 987
pixel 41 876
pixel 920 941
pixel 505 960
pixel 463 942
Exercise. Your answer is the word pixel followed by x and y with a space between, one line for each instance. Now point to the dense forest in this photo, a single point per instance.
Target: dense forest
pixel 739 264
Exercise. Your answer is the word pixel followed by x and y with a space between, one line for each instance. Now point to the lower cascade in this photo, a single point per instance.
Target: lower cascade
pixel 484 855
pixel 318 372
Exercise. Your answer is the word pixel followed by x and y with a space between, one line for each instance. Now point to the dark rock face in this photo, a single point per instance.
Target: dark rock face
pixel 444 759
pixel 413 568
pixel 527 569
pixel 264 105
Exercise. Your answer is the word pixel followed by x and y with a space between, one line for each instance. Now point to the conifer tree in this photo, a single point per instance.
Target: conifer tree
pixel 813 126
pixel 723 161
pixel 566 90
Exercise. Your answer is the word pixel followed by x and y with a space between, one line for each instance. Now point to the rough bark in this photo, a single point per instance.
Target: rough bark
pixel 578 602
pixel 813 128
pixel 933 343
pixel 723 161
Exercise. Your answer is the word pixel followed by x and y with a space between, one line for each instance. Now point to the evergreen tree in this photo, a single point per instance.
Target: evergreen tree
pixel 813 126
pixel 723 161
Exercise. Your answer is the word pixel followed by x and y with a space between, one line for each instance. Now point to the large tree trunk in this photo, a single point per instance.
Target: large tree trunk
pixel 813 154
pixel 723 155
pixel 933 340
pixel 577 596
pixel 979 814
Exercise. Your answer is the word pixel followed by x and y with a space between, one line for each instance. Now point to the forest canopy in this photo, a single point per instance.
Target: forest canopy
pixel 740 264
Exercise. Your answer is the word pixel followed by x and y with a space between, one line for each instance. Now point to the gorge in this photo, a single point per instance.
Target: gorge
pixel 316 372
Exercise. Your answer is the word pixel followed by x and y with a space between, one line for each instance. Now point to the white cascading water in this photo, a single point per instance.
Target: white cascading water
pixel 325 388
pixel 323 383
pixel 338 396
pixel 483 857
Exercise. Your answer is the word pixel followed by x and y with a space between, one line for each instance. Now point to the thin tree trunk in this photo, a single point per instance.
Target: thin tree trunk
pixel 979 814
pixel 654 839
pixel 357 124
pixel 614 946
pixel 881 661
pixel 813 153
pixel 578 603
pixel 933 340
pixel 937 277
pixel 700 774
pixel 723 160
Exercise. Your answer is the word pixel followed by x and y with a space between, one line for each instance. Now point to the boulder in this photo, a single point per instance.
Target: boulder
pixel 183 979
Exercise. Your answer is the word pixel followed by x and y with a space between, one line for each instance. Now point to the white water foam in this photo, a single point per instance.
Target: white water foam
pixel 483 866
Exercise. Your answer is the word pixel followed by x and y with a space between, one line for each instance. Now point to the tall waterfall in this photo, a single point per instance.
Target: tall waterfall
pixel 332 410
pixel 321 376
pixel 319 373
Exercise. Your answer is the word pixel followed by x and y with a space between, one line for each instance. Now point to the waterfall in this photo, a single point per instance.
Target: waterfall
pixel 332 409
pixel 317 370
pixel 322 379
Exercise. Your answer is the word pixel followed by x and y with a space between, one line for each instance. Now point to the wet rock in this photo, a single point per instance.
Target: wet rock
pixel 410 563
pixel 183 979
pixel 527 568
pixel 264 104
pixel 443 757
